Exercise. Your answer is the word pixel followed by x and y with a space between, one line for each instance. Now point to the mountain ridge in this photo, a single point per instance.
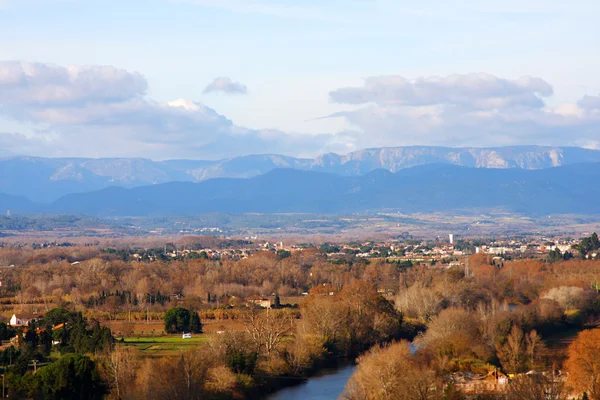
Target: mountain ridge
pixel 47 179
pixel 428 188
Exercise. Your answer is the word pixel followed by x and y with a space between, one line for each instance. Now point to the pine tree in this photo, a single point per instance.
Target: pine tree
pixel 195 323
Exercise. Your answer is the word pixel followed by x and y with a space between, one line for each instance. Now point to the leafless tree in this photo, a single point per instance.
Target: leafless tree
pixel 120 366
pixel 268 328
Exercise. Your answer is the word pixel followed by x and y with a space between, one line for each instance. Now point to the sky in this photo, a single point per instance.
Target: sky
pixel 209 79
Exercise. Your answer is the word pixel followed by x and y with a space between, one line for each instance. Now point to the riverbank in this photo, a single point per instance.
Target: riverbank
pixel 328 384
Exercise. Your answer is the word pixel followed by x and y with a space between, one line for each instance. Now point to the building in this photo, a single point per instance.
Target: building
pixel 451 238
pixel 494 382
pixel 260 301
pixel 23 319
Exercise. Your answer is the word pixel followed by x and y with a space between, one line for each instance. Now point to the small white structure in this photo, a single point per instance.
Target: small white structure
pixel 186 336
pixel 451 238
pixel 23 320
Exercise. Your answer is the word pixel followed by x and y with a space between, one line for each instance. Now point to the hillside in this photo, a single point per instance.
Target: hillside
pixel 47 179
pixel 430 188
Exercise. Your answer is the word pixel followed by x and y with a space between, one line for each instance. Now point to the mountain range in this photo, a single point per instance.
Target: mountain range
pixel 569 189
pixel 44 180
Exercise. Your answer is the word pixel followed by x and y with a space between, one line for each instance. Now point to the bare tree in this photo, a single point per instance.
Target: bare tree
pixel 511 352
pixel 535 387
pixel 392 373
pixel 268 328
pixel 419 301
pixel 535 345
pixel 120 367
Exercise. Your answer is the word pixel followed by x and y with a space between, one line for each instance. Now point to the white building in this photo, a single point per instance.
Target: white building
pixel 23 320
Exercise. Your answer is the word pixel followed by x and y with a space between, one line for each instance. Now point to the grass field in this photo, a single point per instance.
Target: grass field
pixel 164 345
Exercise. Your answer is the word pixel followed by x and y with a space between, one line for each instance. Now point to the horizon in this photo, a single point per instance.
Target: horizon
pixel 306 158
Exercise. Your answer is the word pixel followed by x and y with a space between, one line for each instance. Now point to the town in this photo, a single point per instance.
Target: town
pixel 480 317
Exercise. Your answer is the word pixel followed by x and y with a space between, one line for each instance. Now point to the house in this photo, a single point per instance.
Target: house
pixel 495 382
pixel 260 301
pixel 23 319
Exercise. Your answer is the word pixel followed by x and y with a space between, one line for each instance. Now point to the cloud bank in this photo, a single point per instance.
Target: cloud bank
pixel 103 111
pixel 100 111
pixel 466 110
pixel 225 85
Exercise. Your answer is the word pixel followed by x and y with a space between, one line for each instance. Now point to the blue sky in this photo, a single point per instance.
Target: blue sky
pixel 295 59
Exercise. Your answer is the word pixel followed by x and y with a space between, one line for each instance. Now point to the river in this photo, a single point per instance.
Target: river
pixel 329 384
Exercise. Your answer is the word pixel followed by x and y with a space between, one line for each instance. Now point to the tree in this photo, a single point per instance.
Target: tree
pixel 6 331
pixel 120 367
pixel 277 302
pixel 583 363
pixel 392 373
pixel 71 377
pixel 182 377
pixel 240 355
pixel 57 316
pixel 177 320
pixel 535 346
pixel 419 301
pixel 195 323
pixel 451 334
pixel 568 297
pixel 268 329
pixel 511 352
pixel 535 387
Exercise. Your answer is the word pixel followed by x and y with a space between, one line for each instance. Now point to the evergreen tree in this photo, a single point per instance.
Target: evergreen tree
pixel 195 323
pixel 277 302
pixel 177 320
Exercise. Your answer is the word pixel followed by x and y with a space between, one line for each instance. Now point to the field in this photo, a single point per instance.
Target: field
pixel 151 340
pixel 165 345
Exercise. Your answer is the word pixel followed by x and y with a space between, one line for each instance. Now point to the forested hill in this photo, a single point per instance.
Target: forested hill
pixel 47 179
pixel 572 189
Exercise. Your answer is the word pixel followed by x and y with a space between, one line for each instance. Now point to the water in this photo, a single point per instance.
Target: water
pixel 329 385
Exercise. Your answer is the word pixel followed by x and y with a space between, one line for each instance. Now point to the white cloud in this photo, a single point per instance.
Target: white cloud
pixel 482 91
pixel 38 84
pixel 225 85
pixel 103 111
pixel 465 110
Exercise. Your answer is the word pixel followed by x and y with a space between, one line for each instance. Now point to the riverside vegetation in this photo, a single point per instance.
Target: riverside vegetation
pixel 476 318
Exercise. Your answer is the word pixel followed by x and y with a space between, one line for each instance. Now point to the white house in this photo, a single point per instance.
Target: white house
pixel 23 320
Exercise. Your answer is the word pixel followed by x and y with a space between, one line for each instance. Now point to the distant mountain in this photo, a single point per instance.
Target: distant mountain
pixel 428 188
pixel 16 204
pixel 47 179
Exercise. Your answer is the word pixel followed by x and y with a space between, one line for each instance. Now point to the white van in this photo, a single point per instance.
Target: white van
pixel 186 336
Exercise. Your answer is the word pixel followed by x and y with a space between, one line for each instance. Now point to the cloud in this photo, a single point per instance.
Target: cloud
pixel 589 102
pixel 102 111
pixel 481 91
pixel 38 84
pixel 225 85
pixel 464 110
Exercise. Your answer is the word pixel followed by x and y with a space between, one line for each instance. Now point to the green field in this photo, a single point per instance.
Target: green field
pixel 164 345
